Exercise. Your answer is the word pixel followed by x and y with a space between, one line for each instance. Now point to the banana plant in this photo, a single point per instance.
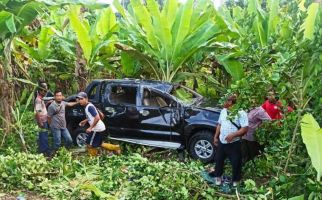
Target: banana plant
pixel 14 17
pixel 94 42
pixel 163 39
pixel 269 22
pixel 42 50
pixel 312 138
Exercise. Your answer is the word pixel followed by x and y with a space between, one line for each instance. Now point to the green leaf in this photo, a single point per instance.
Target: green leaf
pixel 301 197
pixel 161 27
pixel 169 12
pixel 25 81
pixel 312 138
pixel 129 64
pixel 11 24
pixel 301 5
pixel 30 50
pixel 144 19
pixel 252 6
pixel 144 59
pixel 309 22
pixel 106 22
pixel 273 18
pixel 5 18
pixel 45 38
pixel 28 12
pixel 182 25
pixel 79 27
pixel 99 193
pixel 232 66
pixel 119 7
pixel 237 13
pixel 66 76
pixel 261 27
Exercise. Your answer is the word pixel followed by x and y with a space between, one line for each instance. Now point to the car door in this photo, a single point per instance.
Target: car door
pixel 158 115
pixel 76 113
pixel 122 115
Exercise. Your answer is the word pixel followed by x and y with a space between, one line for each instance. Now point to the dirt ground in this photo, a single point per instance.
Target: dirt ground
pixel 27 195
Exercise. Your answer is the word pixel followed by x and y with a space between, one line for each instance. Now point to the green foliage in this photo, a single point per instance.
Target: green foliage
pixel 16 15
pixel 129 177
pixel 94 37
pixel 22 170
pixel 166 38
pixel 308 25
pixel 81 28
pixel 237 49
pixel 312 137
pixel 132 176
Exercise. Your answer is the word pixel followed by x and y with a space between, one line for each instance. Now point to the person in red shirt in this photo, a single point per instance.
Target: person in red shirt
pixel 273 106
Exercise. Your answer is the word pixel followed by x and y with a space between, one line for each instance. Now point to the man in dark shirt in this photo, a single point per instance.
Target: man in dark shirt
pixel 57 121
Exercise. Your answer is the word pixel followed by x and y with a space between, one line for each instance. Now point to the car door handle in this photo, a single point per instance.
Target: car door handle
pixel 110 109
pixel 76 112
pixel 144 112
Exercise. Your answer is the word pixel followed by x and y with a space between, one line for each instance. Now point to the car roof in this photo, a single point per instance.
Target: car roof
pixel 160 85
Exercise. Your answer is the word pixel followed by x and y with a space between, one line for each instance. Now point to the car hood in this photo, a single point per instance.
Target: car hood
pixel 208 105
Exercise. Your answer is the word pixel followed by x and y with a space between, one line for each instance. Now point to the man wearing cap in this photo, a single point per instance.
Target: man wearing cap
pixel 41 118
pixel 96 127
pixel 57 120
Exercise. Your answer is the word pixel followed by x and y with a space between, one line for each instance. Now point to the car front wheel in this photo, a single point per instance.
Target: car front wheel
pixel 79 137
pixel 201 146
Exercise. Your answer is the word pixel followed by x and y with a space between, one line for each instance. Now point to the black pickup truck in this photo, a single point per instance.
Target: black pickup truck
pixel 152 113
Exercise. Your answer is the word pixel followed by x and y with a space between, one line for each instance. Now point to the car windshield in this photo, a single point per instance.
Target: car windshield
pixel 185 95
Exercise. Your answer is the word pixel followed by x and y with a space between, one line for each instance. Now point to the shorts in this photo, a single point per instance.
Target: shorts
pixel 95 139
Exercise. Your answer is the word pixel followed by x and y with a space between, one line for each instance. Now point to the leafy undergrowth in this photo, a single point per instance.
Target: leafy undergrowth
pixel 142 174
pixel 129 176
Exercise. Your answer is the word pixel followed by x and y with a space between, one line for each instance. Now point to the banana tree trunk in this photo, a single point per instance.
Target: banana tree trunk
pixel 80 68
pixel 6 99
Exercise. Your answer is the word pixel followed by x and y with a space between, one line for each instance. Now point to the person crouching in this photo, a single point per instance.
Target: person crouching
pixel 96 127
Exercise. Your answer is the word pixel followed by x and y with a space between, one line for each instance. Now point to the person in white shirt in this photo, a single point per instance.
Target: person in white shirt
pixel 96 127
pixel 227 138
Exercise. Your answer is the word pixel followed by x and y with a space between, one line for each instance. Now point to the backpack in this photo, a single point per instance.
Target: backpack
pixel 100 113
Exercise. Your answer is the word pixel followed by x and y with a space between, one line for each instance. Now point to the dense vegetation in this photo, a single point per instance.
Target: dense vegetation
pixel 244 47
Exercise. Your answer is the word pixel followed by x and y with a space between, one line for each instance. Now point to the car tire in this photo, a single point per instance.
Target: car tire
pixel 201 146
pixel 79 137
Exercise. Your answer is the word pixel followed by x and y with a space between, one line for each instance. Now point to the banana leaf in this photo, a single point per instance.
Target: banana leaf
pixel 182 25
pixel 98 193
pixel 312 138
pixel 309 23
pixel 45 38
pixel 28 13
pixel 81 29
pixel 130 65
pixel 232 66
pixel 106 22
pixel 273 16
pixel 7 24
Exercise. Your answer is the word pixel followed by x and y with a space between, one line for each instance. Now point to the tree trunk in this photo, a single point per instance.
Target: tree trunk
pixel 6 89
pixel 6 102
pixel 81 72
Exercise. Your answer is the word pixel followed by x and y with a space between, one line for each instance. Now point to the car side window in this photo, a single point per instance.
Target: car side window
pixel 120 94
pixel 92 93
pixel 154 99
